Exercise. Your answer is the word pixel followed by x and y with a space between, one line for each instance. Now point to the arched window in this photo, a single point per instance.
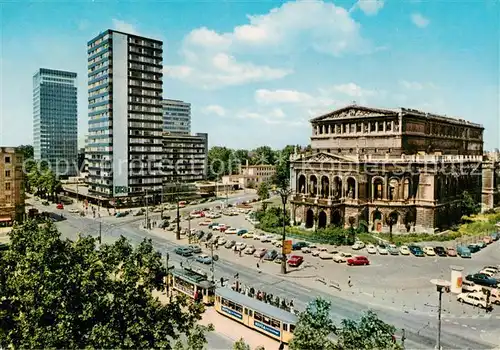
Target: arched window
pixel 378 188
pixel 351 188
pixel 337 187
pixel 393 189
pixel 325 186
pixel 302 184
pixel 313 185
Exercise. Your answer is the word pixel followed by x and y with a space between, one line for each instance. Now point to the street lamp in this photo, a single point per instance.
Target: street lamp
pixel 441 285
pixel 284 192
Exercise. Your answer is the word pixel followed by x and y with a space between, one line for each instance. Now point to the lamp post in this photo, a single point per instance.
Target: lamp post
pixel 441 286
pixel 284 192
pixel 178 231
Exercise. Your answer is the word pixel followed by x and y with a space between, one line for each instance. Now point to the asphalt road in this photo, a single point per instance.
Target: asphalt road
pixel 421 330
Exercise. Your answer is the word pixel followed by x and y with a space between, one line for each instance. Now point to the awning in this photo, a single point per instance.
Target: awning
pixel 5 219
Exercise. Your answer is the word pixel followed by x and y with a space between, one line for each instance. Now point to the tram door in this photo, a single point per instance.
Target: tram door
pixel 208 295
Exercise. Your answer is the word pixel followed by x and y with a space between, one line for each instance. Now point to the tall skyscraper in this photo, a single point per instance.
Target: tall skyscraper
pixel 176 117
pixel 125 114
pixel 55 117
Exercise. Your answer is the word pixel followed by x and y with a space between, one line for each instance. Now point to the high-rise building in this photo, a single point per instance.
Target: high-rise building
pixel 55 119
pixel 125 114
pixel 11 186
pixel 176 117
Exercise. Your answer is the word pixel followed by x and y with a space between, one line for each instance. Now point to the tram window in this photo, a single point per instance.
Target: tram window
pixel 246 311
pixel 285 327
pixel 257 316
pixel 211 292
pixel 225 302
pixel 250 313
pixel 275 323
pixel 292 328
pixel 218 299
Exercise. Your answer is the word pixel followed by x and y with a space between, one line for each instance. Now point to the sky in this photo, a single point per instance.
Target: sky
pixel 255 72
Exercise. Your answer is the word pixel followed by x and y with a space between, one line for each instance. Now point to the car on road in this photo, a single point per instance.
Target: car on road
pixel 279 258
pixel 205 223
pixel 204 259
pixel 206 237
pixel 440 251
pixel 416 251
pixel 429 251
pixel 231 231
pixel 476 299
pixel 482 280
pixel 230 244
pixel 482 244
pixel 341 257
pixel 382 249
pixel 241 231
pixel 392 249
pixel 74 211
pixel 318 251
pixel 258 235
pixel 247 235
pixel 326 255
pixel 267 238
pixel 271 255
pixel 60 206
pixel 121 214
pixel 370 248
pixel 295 260
pixel 495 236
pixel 403 250
pixel 463 251
pixel 305 250
pixel 249 250
pixel 259 253
pixel 214 226
pixel 450 251
pixel 487 239
pixel 184 251
pixel 240 246
pixel 195 248
pixel 299 245
pixel 222 240
pixel 358 260
pixel 358 245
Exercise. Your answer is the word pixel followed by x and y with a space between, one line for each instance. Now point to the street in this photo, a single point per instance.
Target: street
pixel 420 325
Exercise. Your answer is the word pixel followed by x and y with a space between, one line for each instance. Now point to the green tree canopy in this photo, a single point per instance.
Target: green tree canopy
pixel 27 151
pixel 241 345
pixel 263 190
pixel 263 155
pixel 62 294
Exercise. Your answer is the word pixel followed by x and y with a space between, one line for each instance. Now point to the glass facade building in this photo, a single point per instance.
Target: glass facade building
pixel 176 117
pixel 124 147
pixel 55 129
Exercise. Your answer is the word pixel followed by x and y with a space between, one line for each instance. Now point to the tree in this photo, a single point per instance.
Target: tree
pixel 27 151
pixel 63 294
pixel 469 205
pixel 218 162
pixel 263 190
pixel 369 333
pixel 282 176
pixel 314 327
pixel 241 345
pixel 391 220
pixel 263 155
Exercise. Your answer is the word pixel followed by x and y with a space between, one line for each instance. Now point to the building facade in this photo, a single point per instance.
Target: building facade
pixel 185 157
pixel 251 176
pixel 176 117
pixel 11 186
pixel 124 149
pixel 402 169
pixel 55 129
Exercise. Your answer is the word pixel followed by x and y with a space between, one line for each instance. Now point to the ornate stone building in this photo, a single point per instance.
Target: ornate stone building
pixel 402 167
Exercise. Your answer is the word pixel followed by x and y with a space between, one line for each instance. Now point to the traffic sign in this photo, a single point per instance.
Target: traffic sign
pixel 287 246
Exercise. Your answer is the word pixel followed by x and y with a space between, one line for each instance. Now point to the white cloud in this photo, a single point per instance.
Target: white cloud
pixel 414 85
pixel 353 90
pixel 214 109
pixel 123 26
pixel 370 7
pixel 223 70
pixel 419 20
pixel 264 96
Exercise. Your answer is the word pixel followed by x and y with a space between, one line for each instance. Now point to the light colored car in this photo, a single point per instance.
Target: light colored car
pixel 247 235
pixel 274 241
pixel 312 246
pixel 382 249
pixel 267 238
pixel 470 287
pixel 258 235
pixel 222 240
pixel 370 248
pixel 231 231
pixel 279 243
pixel 259 253
pixel 319 250
pixel 305 250
pixel 487 272
pixel 249 250
pixel 358 245
pixel 74 210
pixel 341 257
pixel 326 255
pixel 240 246
pixel 476 299
pixel 403 250
pixel 429 251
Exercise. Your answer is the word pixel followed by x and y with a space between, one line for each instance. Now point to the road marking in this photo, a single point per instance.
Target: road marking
pixel 446 320
pixel 464 325
pixel 474 317
pixel 474 328
pixel 455 323
pixel 483 331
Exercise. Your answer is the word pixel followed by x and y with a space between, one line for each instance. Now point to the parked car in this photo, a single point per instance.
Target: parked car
pixel 416 251
pixel 249 250
pixel 295 260
pixel 341 257
pixel 370 248
pixel 403 250
pixel 326 255
pixel 495 236
pixel 74 211
pixel 247 235
pixel 358 245
pixel 493 269
pixel 470 287
pixel 214 226
pixel 258 235
pixel 241 231
pixel 476 299
pixel 440 251
pixel 205 223
pixel 204 259
pixel 60 206
pixel 429 251
pixel 318 251
pixel 482 280
pixel 121 214
pixel 481 244
pixel 392 249
pixel 267 238
pixel 271 255
pixel 279 259
pixel 473 248
pixel 222 240
pixel 487 239
pixel 488 273
pixel 184 251
pixel 299 245
pixel 450 251
pixel 230 244
pixel 259 253
pixel 231 231
pixel 195 248
pixel 206 237
pixel 463 251
pixel 358 260
pixel 382 249
pixel 305 250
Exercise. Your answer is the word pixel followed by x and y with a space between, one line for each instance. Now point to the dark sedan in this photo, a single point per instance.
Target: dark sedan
pixel 474 248
pixel 482 279
pixel 184 251
pixel 416 250
pixel 299 245
pixel 271 255
pixel 440 251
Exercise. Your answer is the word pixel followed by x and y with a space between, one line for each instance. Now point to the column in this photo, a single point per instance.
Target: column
pixel 386 186
pixel 392 125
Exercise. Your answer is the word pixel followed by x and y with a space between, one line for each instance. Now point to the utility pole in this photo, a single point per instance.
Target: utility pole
pixel 100 231
pixel 441 286
pixel 168 276
pixel 212 261
pixel 284 192
pixel 178 232
pixel 147 211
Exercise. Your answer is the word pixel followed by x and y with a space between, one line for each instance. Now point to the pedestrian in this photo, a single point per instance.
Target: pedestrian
pixel 349 282
pixel 222 281
pixel 282 346
pixel 258 267
pixel 240 253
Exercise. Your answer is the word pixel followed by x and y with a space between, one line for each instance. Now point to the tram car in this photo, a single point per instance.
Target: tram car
pixel 190 282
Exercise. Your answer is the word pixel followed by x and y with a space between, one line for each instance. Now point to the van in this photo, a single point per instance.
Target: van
pixel 463 252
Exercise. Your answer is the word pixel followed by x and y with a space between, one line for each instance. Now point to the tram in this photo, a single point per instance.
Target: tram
pixel 265 318
pixel 189 282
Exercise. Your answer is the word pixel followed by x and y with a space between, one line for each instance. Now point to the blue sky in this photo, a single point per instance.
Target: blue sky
pixel 257 71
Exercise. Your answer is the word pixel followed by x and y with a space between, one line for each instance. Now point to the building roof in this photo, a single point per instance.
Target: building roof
pixel 257 305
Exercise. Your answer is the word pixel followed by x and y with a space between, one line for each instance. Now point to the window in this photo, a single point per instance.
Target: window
pixel 257 316
pixel 7 186
pixel 285 327
pixel 7 159
pixel 8 199
pixel 7 173
pixel 292 328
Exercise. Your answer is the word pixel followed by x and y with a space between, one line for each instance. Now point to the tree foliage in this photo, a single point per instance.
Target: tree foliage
pixel 27 151
pixel 469 205
pixel 241 345
pixel 263 190
pixel 62 294
pixel 272 217
pixel 41 180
